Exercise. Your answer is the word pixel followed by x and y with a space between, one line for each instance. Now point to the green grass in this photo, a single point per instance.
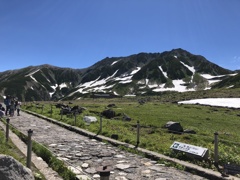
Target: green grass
pixel 153 115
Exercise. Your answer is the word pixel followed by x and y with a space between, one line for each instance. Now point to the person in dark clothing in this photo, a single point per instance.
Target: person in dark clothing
pixel 18 105
pixel 12 107
pixel 7 102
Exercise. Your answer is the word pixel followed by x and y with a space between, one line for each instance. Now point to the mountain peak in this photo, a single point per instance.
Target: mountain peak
pixel 142 73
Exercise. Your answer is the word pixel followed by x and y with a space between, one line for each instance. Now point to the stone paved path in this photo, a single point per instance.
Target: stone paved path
pixel 84 155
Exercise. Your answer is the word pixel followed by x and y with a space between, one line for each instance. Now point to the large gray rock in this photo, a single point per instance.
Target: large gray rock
pixel 11 169
pixel 89 119
pixel 174 127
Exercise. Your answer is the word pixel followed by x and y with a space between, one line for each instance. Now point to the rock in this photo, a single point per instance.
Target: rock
pixel 11 169
pixel 189 131
pixel 111 105
pixel 83 177
pixel 174 127
pixel 109 113
pixel 126 117
pixel 85 165
pixel 121 178
pixel 76 171
pixel 89 119
pixel 122 166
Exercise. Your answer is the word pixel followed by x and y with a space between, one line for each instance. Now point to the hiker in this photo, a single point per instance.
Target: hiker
pixel 12 107
pixel 7 102
pixel 18 106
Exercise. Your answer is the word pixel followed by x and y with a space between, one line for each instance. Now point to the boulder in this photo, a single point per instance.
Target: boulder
pixel 11 169
pixel 174 127
pixel 89 119
pixel 109 113
pixel 126 117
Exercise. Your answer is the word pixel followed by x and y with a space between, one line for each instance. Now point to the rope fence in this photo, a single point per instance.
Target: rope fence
pixel 74 115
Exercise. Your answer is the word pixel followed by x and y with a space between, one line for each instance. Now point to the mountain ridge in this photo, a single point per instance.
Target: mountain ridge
pixel 137 74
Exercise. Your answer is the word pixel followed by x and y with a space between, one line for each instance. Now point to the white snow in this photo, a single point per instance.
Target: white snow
pixel 177 87
pixel 230 86
pixel 189 67
pixel 208 76
pixel 135 71
pixel 222 102
pixel 164 73
pixel 54 87
pixel 213 81
pixel 62 85
pixel 114 63
pixel 147 81
pixel 34 79
pixel 125 82
pixel 30 74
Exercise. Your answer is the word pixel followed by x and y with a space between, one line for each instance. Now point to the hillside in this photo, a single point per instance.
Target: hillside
pixel 138 74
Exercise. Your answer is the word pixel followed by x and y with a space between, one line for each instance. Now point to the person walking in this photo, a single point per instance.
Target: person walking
pixel 7 102
pixel 12 107
pixel 18 106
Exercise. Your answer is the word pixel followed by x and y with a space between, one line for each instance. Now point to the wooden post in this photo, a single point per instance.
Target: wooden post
pixel 29 149
pixel 75 118
pixel 7 129
pixel 42 109
pixel 100 129
pixel 216 148
pixel 104 172
pixel 138 132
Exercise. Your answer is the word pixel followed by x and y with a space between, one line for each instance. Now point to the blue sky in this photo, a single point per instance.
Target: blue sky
pixel 79 33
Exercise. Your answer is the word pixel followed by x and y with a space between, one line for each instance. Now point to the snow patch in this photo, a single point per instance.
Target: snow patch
pixel 135 71
pixel 164 73
pixel 30 74
pixel 178 86
pixel 222 102
pixel 114 63
pixel 63 85
pixel 189 67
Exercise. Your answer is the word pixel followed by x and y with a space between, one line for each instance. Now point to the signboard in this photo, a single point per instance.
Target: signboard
pixel 190 149
pixel 232 169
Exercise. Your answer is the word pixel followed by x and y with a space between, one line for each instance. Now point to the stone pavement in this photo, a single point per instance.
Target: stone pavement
pixel 84 155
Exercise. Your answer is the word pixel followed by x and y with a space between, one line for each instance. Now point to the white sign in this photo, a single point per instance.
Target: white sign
pixel 191 149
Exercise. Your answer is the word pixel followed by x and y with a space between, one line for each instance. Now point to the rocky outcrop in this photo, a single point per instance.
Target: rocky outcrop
pixel 11 169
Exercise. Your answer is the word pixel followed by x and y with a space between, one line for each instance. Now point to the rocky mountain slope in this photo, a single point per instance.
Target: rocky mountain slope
pixel 143 73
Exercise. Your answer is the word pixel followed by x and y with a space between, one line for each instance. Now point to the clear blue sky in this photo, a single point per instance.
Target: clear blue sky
pixel 79 33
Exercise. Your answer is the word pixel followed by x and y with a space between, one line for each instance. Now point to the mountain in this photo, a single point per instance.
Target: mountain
pixel 143 73
pixel 37 83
